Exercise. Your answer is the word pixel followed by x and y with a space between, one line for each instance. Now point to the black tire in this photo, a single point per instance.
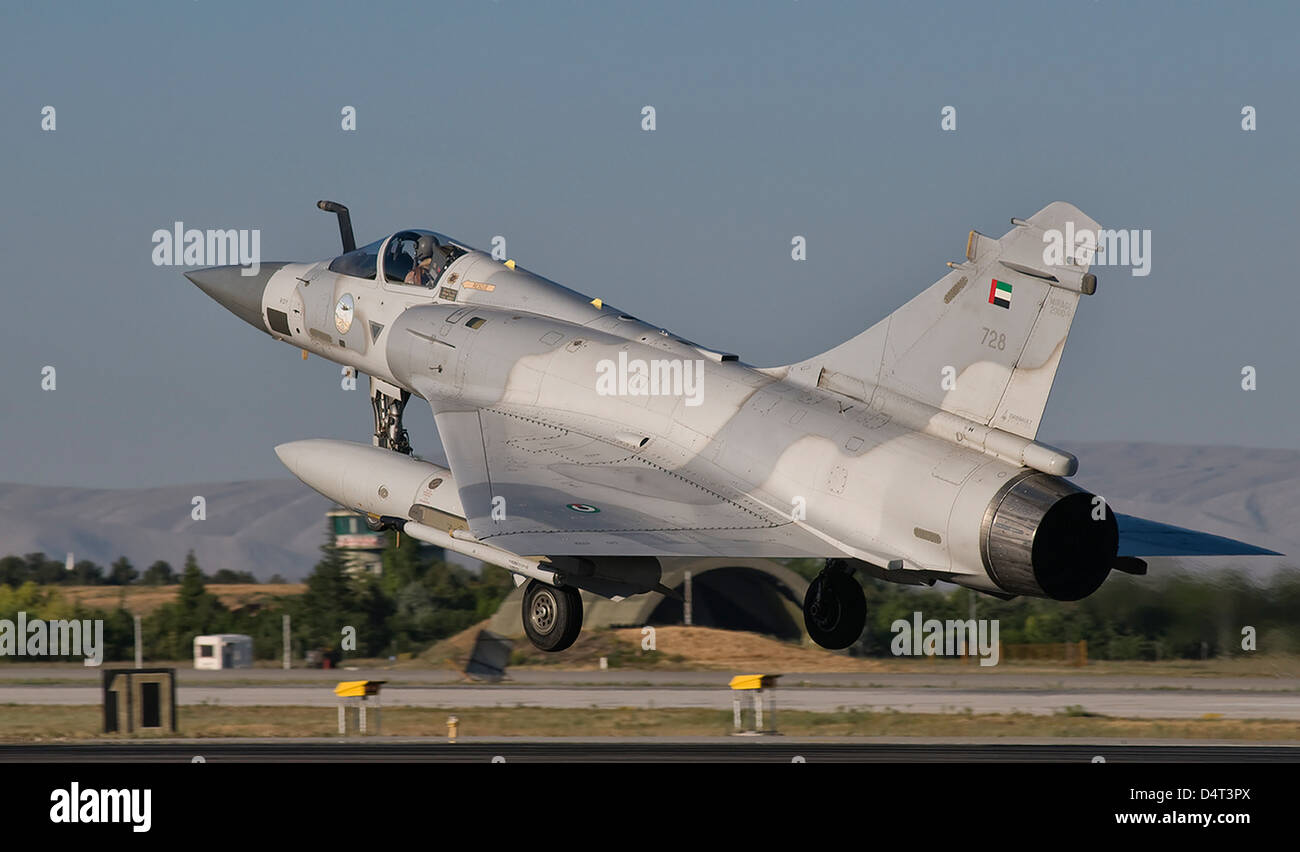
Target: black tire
pixel 835 610
pixel 552 615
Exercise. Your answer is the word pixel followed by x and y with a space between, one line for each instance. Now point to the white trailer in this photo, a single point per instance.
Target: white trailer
pixel 223 651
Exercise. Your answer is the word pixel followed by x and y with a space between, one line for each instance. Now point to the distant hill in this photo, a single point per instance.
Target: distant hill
pixel 1243 493
pixel 267 527
pixel 276 526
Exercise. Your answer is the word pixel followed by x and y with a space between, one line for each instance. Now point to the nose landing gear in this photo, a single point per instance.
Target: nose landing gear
pixel 389 432
pixel 835 608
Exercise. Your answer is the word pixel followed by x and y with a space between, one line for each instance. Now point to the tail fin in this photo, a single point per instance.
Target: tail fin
pixel 985 340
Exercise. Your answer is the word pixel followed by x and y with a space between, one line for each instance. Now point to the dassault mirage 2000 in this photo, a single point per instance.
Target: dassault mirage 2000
pixel 584 443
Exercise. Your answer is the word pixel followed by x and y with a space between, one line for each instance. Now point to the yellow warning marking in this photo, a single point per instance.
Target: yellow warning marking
pixel 753 681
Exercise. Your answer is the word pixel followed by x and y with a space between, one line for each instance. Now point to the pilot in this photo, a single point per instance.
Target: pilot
pixel 429 262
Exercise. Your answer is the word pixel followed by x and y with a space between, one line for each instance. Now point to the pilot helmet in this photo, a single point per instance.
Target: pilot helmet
pixel 425 247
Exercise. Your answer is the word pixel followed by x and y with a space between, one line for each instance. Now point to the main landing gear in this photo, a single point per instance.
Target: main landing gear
pixel 552 615
pixel 835 608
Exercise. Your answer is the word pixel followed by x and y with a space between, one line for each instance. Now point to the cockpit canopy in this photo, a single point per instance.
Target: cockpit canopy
pixel 403 255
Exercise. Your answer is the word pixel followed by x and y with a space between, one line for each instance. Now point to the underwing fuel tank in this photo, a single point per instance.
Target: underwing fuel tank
pixel 375 481
pixel 420 499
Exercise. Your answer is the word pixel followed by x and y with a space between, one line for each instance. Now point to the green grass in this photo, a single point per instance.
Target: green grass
pixel 46 723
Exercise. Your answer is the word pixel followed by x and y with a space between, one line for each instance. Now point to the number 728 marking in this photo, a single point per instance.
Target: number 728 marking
pixel 993 339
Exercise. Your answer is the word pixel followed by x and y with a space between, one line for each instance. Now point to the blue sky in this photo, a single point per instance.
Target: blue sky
pixel 524 119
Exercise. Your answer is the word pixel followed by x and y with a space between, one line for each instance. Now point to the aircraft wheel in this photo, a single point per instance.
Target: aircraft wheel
pixel 835 610
pixel 552 615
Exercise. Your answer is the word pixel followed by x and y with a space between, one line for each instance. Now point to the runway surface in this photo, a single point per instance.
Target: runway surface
pixel 973 677
pixel 1127 703
pixel 974 689
pixel 695 750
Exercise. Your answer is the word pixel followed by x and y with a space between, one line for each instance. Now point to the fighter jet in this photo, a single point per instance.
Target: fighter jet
pixel 583 444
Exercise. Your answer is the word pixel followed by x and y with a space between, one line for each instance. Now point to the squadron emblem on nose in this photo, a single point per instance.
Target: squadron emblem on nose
pixel 343 313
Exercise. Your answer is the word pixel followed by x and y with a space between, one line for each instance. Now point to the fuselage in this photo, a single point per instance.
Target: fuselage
pixel 863 477
pixel 908 451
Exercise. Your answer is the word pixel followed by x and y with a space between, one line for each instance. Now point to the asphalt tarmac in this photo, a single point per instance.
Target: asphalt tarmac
pixel 774 749
pixel 973 677
pixel 1155 700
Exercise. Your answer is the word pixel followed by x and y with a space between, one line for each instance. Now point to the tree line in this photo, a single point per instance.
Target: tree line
pixel 39 569
pixel 416 601
pixel 419 599
pixel 1168 614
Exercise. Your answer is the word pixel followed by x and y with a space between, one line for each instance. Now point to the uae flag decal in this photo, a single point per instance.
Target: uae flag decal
pixel 1000 294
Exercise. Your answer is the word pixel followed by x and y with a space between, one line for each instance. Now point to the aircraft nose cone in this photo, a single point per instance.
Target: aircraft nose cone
pixel 238 293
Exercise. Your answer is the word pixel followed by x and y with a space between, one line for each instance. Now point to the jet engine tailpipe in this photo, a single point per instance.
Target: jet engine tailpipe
pixel 1043 537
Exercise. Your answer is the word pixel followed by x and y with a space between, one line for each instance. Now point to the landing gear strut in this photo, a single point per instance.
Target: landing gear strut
pixel 389 432
pixel 835 609
pixel 552 615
